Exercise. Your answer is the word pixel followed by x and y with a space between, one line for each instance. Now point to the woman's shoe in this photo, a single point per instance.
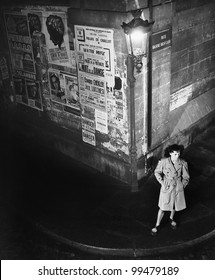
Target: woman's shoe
pixel 155 230
pixel 173 224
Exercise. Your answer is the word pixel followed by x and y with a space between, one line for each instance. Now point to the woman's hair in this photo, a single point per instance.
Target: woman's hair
pixel 173 148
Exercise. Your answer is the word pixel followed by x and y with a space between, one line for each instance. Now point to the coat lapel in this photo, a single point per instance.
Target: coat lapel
pixel 178 165
pixel 174 167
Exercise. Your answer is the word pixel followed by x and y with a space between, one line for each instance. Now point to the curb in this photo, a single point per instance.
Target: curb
pixel 127 252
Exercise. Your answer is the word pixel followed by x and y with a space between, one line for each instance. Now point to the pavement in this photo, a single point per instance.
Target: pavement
pixel 82 209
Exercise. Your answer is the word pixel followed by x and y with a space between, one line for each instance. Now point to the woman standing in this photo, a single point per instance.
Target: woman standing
pixel 173 175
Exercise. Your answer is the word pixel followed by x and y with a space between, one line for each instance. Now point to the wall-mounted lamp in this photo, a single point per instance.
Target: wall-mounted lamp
pixel 136 35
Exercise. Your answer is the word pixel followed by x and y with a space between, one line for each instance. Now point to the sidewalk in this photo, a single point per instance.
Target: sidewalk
pixel 93 213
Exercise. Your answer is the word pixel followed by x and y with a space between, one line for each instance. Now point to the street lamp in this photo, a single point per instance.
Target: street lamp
pixel 136 35
pixel 136 32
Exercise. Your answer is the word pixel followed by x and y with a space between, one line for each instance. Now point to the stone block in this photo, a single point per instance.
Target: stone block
pixel 189 18
pixel 161 76
pixel 161 57
pixel 179 60
pixel 181 78
pixel 113 5
pixel 185 5
pixel 162 15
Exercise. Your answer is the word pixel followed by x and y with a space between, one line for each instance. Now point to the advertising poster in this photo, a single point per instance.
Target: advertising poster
pixel 97 48
pixel 88 125
pixel 20 90
pixel 20 45
pixel 5 73
pixel 57 86
pixel 64 90
pixel 35 20
pixel 92 91
pixel 4 68
pixel 101 121
pixel 34 94
pixel 72 93
pixel 24 52
pixel 57 39
pixel 95 63
pixel 88 137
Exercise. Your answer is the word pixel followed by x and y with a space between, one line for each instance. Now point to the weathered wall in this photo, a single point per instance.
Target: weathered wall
pixel 106 150
pixel 181 90
pixel 193 64
pixel 184 71
pixel 161 73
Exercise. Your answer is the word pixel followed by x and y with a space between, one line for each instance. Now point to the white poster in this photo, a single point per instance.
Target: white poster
pixel 180 97
pixel 96 47
pixel 95 63
pixel 101 121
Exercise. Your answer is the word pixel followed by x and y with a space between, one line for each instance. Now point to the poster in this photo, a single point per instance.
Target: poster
pixel 24 54
pixel 4 68
pixel 88 137
pixel 95 63
pixel 64 89
pixel 34 94
pixel 20 90
pixel 92 91
pixel 57 39
pixel 72 92
pixel 20 45
pixel 97 48
pixel 101 121
pixel 180 97
pixel 88 125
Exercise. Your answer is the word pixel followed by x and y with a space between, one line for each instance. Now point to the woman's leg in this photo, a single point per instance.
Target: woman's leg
pixel 172 214
pixel 173 223
pixel 159 218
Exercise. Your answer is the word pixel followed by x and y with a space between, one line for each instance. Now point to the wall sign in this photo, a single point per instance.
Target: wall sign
pixel 161 40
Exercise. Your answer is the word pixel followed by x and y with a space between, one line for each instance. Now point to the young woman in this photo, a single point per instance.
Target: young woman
pixel 173 175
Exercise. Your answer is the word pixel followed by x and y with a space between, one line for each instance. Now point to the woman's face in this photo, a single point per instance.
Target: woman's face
pixel 174 155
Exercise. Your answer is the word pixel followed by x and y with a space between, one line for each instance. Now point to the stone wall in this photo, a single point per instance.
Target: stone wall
pixel 193 64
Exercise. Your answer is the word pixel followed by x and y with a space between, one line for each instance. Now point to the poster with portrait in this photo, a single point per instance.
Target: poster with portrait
pixel 34 94
pixel 64 91
pixel 20 90
pixel 57 39
pixel 57 86
pixel 72 92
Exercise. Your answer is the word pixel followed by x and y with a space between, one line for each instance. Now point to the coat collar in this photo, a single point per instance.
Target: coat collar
pixel 175 166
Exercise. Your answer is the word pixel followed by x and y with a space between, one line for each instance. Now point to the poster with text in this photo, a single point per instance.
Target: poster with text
pixel 20 45
pixel 97 48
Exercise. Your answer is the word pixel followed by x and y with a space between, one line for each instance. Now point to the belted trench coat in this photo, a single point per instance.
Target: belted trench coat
pixel 173 179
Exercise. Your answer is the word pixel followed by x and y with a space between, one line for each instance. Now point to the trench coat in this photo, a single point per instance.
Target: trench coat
pixel 173 179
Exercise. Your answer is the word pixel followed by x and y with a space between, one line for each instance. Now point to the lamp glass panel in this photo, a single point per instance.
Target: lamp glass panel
pixel 138 41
